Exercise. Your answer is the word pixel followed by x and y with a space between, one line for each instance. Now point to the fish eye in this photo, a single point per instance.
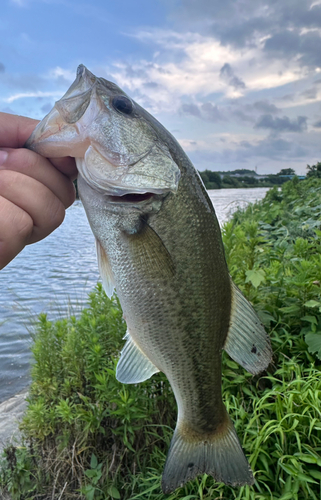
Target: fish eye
pixel 123 104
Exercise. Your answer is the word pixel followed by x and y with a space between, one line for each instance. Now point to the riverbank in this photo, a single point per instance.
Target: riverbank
pixel 98 439
pixel 11 413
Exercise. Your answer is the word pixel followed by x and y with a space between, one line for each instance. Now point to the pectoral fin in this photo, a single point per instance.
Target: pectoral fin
pixel 133 366
pixel 247 341
pixel 149 253
pixel 105 270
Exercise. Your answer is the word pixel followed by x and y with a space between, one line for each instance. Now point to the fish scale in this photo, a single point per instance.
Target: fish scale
pixel 159 244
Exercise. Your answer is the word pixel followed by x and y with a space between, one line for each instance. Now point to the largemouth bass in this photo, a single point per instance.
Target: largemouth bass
pixel 159 244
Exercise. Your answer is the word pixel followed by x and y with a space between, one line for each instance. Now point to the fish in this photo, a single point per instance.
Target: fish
pixel 159 245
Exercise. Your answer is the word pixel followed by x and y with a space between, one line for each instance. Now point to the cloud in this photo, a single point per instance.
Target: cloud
pixel 278 148
pixel 61 77
pixel 30 85
pixel 265 106
pixel 305 47
pixel 317 124
pixel 245 23
pixel 190 109
pixel 23 95
pixel 283 124
pixel 2 67
pixel 206 111
pixel 227 73
pixel 209 111
pixel 311 93
pixel 234 23
pixel 198 65
pixel 233 151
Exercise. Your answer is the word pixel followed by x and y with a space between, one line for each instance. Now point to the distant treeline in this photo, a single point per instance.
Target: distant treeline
pixel 244 178
pixel 241 178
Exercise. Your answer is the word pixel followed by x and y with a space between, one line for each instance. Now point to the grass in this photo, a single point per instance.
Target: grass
pixel 86 436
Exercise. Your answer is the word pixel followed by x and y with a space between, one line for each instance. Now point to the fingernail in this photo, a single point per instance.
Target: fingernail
pixel 3 157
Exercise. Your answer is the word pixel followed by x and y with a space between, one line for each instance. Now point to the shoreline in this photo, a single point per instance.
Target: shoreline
pixel 11 412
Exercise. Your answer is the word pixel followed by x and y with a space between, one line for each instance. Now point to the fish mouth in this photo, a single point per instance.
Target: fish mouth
pixel 131 198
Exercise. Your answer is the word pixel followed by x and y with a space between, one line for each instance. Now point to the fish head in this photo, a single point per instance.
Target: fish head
pixel 117 150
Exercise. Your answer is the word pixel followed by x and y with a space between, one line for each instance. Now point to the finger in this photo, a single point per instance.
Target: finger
pixel 15 229
pixel 44 208
pixel 36 166
pixel 15 130
pixel 66 166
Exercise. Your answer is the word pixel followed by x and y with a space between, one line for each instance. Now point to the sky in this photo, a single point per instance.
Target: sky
pixel 237 82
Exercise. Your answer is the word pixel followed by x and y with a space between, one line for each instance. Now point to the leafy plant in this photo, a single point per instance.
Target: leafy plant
pixel 92 490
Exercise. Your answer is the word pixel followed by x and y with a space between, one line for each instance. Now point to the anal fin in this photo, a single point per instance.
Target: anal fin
pixel 105 270
pixel 247 341
pixel 134 366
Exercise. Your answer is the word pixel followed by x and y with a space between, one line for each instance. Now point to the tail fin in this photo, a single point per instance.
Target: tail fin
pixel 221 457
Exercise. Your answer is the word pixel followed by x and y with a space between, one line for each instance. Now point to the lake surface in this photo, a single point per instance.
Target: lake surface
pixel 55 276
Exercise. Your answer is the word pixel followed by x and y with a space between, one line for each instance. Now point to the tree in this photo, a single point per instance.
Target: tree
pixel 286 171
pixel 212 180
pixel 231 181
pixel 314 170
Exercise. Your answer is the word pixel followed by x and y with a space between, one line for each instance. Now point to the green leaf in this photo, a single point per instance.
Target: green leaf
pixel 266 317
pixel 305 478
pixel 89 492
pixel 90 473
pixel 310 459
pixel 314 343
pixel 311 319
pixel 113 492
pixel 256 277
pixel 312 303
pixel 290 309
pixel 93 461
pixel 315 473
pixel 287 496
pixel 292 471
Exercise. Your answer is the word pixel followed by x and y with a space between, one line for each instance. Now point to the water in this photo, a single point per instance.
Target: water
pixel 55 276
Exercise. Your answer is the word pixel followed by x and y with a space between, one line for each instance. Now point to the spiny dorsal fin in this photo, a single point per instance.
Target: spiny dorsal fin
pixel 105 270
pixel 149 253
pixel 247 341
pixel 133 366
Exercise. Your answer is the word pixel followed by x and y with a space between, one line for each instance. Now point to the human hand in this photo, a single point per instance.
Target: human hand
pixel 34 191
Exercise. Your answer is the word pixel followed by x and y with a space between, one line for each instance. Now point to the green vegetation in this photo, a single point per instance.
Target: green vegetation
pixel 88 437
pixel 212 180
pixel 314 170
pixel 243 178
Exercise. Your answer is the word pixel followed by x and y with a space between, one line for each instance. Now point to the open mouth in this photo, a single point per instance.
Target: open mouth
pixel 131 197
